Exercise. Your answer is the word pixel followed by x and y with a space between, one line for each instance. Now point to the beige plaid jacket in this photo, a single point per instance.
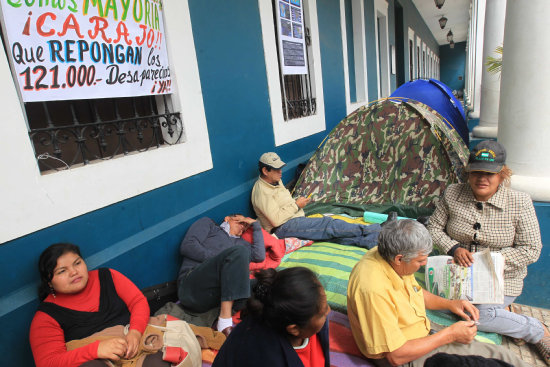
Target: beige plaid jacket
pixel 506 223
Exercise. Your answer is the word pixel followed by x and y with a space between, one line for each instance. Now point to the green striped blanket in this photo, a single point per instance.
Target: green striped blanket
pixel 333 264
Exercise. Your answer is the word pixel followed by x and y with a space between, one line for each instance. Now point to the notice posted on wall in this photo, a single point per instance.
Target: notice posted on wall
pixel 80 49
pixel 481 283
pixel 291 30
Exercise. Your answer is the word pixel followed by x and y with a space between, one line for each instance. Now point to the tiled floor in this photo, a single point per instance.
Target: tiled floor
pixel 527 352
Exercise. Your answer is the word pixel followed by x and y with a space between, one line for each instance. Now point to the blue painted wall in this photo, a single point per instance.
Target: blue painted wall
pixel 453 63
pixel 351 51
pixel 330 34
pixel 537 282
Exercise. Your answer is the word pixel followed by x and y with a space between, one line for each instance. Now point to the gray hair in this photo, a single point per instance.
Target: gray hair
pixel 405 237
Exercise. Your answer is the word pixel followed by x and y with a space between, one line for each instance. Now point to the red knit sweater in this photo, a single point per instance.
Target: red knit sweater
pixel 47 338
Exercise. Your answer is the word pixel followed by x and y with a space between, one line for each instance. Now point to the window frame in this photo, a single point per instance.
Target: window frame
pixel 360 54
pixel 288 131
pixel 413 52
pixel 33 201
pixel 382 56
pixel 418 57
pixel 424 60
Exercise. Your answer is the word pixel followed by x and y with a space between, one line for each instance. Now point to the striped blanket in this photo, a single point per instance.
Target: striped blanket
pixel 332 263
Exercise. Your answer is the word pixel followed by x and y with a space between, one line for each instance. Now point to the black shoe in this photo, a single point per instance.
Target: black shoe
pixel 425 220
pixel 392 216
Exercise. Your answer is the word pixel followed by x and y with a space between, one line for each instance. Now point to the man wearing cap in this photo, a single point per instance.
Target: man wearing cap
pixel 485 213
pixel 281 214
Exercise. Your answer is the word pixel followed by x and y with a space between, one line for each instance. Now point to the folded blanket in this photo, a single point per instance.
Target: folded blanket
pixel 332 263
pixel 343 350
pixel 275 249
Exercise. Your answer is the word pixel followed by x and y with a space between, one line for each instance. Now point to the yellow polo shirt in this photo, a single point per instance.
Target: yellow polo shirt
pixel 384 309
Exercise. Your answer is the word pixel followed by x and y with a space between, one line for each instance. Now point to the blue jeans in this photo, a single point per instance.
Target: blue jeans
pixel 332 230
pixel 495 319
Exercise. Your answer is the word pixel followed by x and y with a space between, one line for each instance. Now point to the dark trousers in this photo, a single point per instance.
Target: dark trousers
pixel 224 277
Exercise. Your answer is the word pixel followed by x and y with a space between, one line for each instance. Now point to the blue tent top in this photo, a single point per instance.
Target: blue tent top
pixel 439 97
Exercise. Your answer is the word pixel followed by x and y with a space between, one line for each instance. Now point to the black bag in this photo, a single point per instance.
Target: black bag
pixel 160 294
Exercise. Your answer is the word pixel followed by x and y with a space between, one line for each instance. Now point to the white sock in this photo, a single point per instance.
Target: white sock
pixel 223 323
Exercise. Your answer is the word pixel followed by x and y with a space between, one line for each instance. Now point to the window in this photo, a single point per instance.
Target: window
pixel 424 61
pixel 297 95
pixel 302 125
pixel 412 68
pixel 429 71
pixel 69 133
pixel 418 61
pixel 354 53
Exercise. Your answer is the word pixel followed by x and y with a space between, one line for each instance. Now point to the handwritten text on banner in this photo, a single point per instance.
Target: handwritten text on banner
pixel 79 49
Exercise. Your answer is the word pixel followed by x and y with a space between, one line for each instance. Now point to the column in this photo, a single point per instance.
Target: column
pixel 468 71
pixel 477 57
pixel 524 128
pixel 493 36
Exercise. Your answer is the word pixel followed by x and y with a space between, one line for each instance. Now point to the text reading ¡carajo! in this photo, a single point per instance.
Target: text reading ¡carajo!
pixel 145 11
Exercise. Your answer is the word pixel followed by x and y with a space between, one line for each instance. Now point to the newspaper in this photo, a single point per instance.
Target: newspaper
pixel 482 282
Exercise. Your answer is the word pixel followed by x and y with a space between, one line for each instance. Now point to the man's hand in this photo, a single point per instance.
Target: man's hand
pixel 462 308
pixel 463 257
pixel 248 220
pixel 132 338
pixel 112 349
pixel 302 201
pixel 463 331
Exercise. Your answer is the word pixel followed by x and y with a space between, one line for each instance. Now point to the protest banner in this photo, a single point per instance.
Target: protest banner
pixel 83 49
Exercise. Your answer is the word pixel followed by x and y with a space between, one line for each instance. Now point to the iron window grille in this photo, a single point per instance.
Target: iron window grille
pixel 296 92
pixel 72 133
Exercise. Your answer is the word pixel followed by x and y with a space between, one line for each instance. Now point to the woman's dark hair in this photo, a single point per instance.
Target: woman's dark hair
pixel 47 263
pixel 286 297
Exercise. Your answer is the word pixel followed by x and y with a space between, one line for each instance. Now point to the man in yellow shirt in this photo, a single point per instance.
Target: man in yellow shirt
pixel 387 307
pixel 281 214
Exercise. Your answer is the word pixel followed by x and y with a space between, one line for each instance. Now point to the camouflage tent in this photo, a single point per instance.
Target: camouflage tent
pixel 391 152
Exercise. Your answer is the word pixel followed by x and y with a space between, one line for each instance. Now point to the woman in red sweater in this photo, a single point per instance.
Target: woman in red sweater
pixel 77 303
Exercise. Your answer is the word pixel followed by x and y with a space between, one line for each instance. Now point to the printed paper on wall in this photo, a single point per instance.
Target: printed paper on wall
pixel 291 31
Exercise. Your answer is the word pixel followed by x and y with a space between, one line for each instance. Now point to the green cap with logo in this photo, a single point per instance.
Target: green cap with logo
pixel 487 156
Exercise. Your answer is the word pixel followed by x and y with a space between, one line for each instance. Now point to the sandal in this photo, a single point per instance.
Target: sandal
pixel 543 347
